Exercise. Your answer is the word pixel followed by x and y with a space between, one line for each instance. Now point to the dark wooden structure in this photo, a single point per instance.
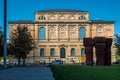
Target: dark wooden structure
pixel 102 50
pixel 88 43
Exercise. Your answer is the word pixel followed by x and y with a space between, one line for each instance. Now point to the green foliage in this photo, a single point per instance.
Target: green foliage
pixel 117 43
pixel 21 43
pixel 77 72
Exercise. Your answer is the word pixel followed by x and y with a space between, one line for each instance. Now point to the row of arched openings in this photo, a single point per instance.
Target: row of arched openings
pixel 82 17
pixel 62 52
pixel 42 33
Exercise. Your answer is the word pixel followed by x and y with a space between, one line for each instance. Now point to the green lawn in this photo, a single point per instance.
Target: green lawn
pixel 78 72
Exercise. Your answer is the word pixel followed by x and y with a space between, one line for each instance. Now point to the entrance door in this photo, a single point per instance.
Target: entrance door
pixel 62 53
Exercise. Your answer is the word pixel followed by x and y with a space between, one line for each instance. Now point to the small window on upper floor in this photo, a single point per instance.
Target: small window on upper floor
pixel 61 17
pixel 72 17
pixel 52 17
pixel 82 17
pixel 42 17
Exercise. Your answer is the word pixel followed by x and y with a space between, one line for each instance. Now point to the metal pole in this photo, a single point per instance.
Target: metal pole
pixel 35 45
pixel 5 32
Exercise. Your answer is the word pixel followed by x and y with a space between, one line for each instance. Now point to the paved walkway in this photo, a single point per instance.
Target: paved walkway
pixel 26 73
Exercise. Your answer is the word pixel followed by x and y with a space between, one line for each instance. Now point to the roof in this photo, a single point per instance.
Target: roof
pixel 61 10
pixel 22 22
pixel 102 21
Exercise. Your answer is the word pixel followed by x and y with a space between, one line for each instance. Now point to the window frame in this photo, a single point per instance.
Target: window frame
pixel 52 52
pixel 82 54
pixel 81 33
pixel 82 17
pixel 42 52
pixel 42 33
pixel 72 51
pixel 42 17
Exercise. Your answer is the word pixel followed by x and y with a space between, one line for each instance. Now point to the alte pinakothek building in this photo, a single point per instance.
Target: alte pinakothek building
pixel 59 33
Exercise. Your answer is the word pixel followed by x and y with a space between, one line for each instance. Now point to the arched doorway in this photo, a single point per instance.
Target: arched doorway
pixel 62 53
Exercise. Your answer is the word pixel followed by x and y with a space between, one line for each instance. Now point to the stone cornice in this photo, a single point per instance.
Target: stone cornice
pixel 61 22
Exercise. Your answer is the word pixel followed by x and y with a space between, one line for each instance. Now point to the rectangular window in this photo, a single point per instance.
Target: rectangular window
pixel 82 51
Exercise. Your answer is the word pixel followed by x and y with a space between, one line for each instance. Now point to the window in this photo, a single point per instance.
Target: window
pixel 73 52
pixel 52 52
pixel 51 17
pixel 82 33
pixel 72 17
pixel 82 52
pixel 42 33
pixel 82 17
pixel 62 53
pixel 42 18
pixel 42 52
pixel 61 17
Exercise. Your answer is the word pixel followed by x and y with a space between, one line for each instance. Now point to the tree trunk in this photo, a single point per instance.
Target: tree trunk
pixel 23 61
pixel 18 61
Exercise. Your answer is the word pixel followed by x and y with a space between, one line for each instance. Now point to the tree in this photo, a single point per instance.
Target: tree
pixel 1 43
pixel 21 43
pixel 117 44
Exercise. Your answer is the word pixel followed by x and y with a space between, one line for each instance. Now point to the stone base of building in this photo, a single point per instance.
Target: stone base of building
pixel 47 60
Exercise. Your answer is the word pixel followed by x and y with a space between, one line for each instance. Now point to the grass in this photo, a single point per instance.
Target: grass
pixel 78 72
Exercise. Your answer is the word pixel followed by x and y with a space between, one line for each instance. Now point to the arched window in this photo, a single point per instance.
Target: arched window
pixel 51 17
pixel 82 33
pixel 62 53
pixel 73 52
pixel 82 17
pixel 82 52
pixel 42 33
pixel 42 52
pixel 72 17
pixel 61 17
pixel 52 52
pixel 42 17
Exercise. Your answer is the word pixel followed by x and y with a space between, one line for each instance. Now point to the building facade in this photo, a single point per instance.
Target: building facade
pixel 59 33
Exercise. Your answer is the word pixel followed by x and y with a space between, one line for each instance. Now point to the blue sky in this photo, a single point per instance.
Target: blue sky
pixel 98 9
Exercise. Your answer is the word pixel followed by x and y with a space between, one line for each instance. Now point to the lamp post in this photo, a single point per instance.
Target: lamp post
pixel 5 32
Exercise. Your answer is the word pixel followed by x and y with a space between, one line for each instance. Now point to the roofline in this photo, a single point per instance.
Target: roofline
pixel 60 10
pixel 31 22
pixel 21 22
pixel 16 22
pixel 102 21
